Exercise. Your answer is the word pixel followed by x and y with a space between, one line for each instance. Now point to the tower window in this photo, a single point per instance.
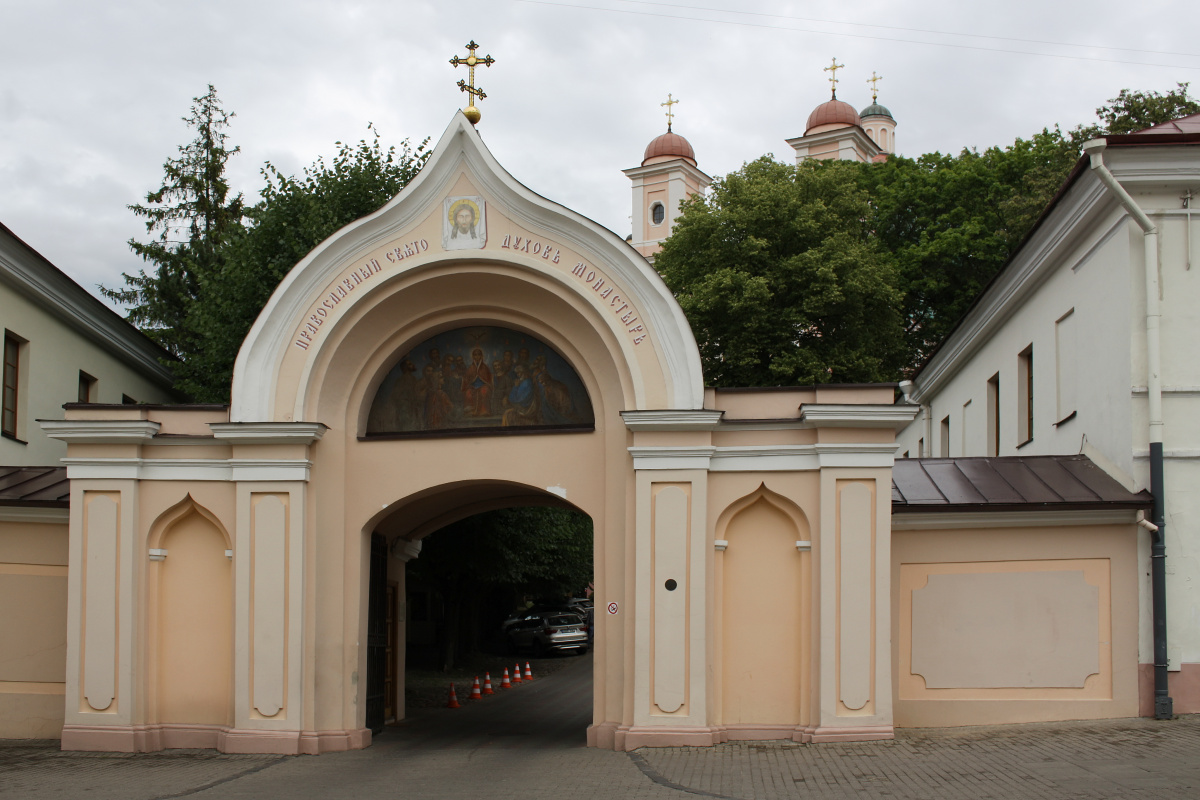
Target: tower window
pixel 658 213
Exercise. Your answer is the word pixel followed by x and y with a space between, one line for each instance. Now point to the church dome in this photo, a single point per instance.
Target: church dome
pixel 876 110
pixel 833 112
pixel 669 146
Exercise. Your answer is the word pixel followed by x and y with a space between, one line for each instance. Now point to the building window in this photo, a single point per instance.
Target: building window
pixel 12 371
pixel 87 388
pixel 658 213
pixel 127 400
pixel 944 449
pixel 993 415
pixel 921 447
pixel 1025 396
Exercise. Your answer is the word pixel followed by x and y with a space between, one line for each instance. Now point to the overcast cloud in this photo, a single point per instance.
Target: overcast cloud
pixel 93 92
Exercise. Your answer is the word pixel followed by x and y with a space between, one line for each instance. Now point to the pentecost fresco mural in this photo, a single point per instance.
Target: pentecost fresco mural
pixel 476 378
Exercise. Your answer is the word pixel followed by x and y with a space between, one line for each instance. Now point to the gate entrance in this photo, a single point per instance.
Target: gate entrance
pixel 473 346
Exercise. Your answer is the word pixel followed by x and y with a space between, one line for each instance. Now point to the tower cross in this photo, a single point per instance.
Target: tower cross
pixel 874 81
pixel 471 61
pixel 670 114
pixel 832 70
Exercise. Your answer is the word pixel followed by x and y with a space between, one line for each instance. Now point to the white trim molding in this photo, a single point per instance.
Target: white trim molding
pixel 188 469
pixel 672 420
pixel 268 432
pixel 100 431
pixel 847 415
pixel 49 516
pixel 771 458
pixel 954 520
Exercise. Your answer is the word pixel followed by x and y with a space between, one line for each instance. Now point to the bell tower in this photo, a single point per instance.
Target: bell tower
pixel 668 176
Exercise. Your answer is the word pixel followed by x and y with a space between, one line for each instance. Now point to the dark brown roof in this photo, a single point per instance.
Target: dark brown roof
pixel 45 487
pixel 1015 483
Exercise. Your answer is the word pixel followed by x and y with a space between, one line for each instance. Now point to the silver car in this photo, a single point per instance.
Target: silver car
pixel 550 632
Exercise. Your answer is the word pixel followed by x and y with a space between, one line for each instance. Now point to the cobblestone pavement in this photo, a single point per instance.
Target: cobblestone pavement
pixel 527 744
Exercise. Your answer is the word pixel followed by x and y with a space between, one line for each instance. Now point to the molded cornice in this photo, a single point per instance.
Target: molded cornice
pixel 268 432
pixel 100 431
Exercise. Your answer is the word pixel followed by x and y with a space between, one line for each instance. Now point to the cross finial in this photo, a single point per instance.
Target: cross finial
pixel 670 114
pixel 874 81
pixel 832 70
pixel 468 86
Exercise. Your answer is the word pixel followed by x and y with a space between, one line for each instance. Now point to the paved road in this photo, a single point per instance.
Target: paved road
pixel 527 744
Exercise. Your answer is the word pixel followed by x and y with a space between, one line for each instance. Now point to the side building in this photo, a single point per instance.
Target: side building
pixel 1085 343
pixel 61 345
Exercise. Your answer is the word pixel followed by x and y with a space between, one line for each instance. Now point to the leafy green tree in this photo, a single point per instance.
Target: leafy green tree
pixel 195 217
pixel 527 551
pixel 782 279
pixel 1132 111
pixel 951 222
pixel 294 215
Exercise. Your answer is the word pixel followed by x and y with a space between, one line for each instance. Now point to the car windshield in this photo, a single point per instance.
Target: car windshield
pixel 564 619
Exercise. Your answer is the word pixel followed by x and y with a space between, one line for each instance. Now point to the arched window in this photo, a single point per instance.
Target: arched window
pixel 658 213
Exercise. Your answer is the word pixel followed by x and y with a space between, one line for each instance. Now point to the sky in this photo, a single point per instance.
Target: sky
pixel 93 95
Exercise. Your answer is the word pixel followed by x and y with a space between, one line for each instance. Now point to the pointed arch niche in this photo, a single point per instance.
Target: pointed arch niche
pixel 191 622
pixel 763 581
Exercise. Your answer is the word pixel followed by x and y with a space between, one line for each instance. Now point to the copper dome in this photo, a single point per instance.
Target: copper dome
pixel 669 145
pixel 833 112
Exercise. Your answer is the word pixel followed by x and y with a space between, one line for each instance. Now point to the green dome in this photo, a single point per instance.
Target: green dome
pixel 876 110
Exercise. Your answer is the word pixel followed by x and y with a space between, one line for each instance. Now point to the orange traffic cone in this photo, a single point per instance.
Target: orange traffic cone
pixel 528 672
pixel 475 693
pixel 516 673
pixel 487 683
pixel 504 682
pixel 453 698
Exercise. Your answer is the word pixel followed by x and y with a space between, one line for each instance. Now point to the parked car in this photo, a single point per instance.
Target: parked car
pixel 550 632
pixel 535 611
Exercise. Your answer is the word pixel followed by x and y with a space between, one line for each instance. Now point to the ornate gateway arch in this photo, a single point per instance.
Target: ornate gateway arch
pixel 470 346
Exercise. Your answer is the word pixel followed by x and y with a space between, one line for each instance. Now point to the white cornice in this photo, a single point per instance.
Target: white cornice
pixel 188 469
pixel 51 516
pixel 847 415
pixel 672 420
pixel 268 432
pixel 664 167
pixel 765 458
pixel 100 431
pixel 47 286
pixel 949 520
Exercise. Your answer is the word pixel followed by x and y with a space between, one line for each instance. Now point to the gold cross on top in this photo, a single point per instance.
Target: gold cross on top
pixel 468 86
pixel 832 70
pixel 670 114
pixel 874 80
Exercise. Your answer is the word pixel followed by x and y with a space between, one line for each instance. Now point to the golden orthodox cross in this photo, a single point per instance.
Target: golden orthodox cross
pixel 670 114
pixel 874 81
pixel 832 69
pixel 468 86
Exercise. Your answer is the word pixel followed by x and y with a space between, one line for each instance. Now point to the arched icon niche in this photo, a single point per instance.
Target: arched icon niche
pixel 480 379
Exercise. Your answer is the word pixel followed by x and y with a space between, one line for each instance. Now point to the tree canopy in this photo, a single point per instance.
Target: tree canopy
pixel 194 218
pixel 293 215
pixel 782 280
pixel 777 260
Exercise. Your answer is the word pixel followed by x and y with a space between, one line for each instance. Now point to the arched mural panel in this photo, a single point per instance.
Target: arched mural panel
pixel 480 379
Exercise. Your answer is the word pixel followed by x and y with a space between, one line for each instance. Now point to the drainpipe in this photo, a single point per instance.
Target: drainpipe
pixel 1163 704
